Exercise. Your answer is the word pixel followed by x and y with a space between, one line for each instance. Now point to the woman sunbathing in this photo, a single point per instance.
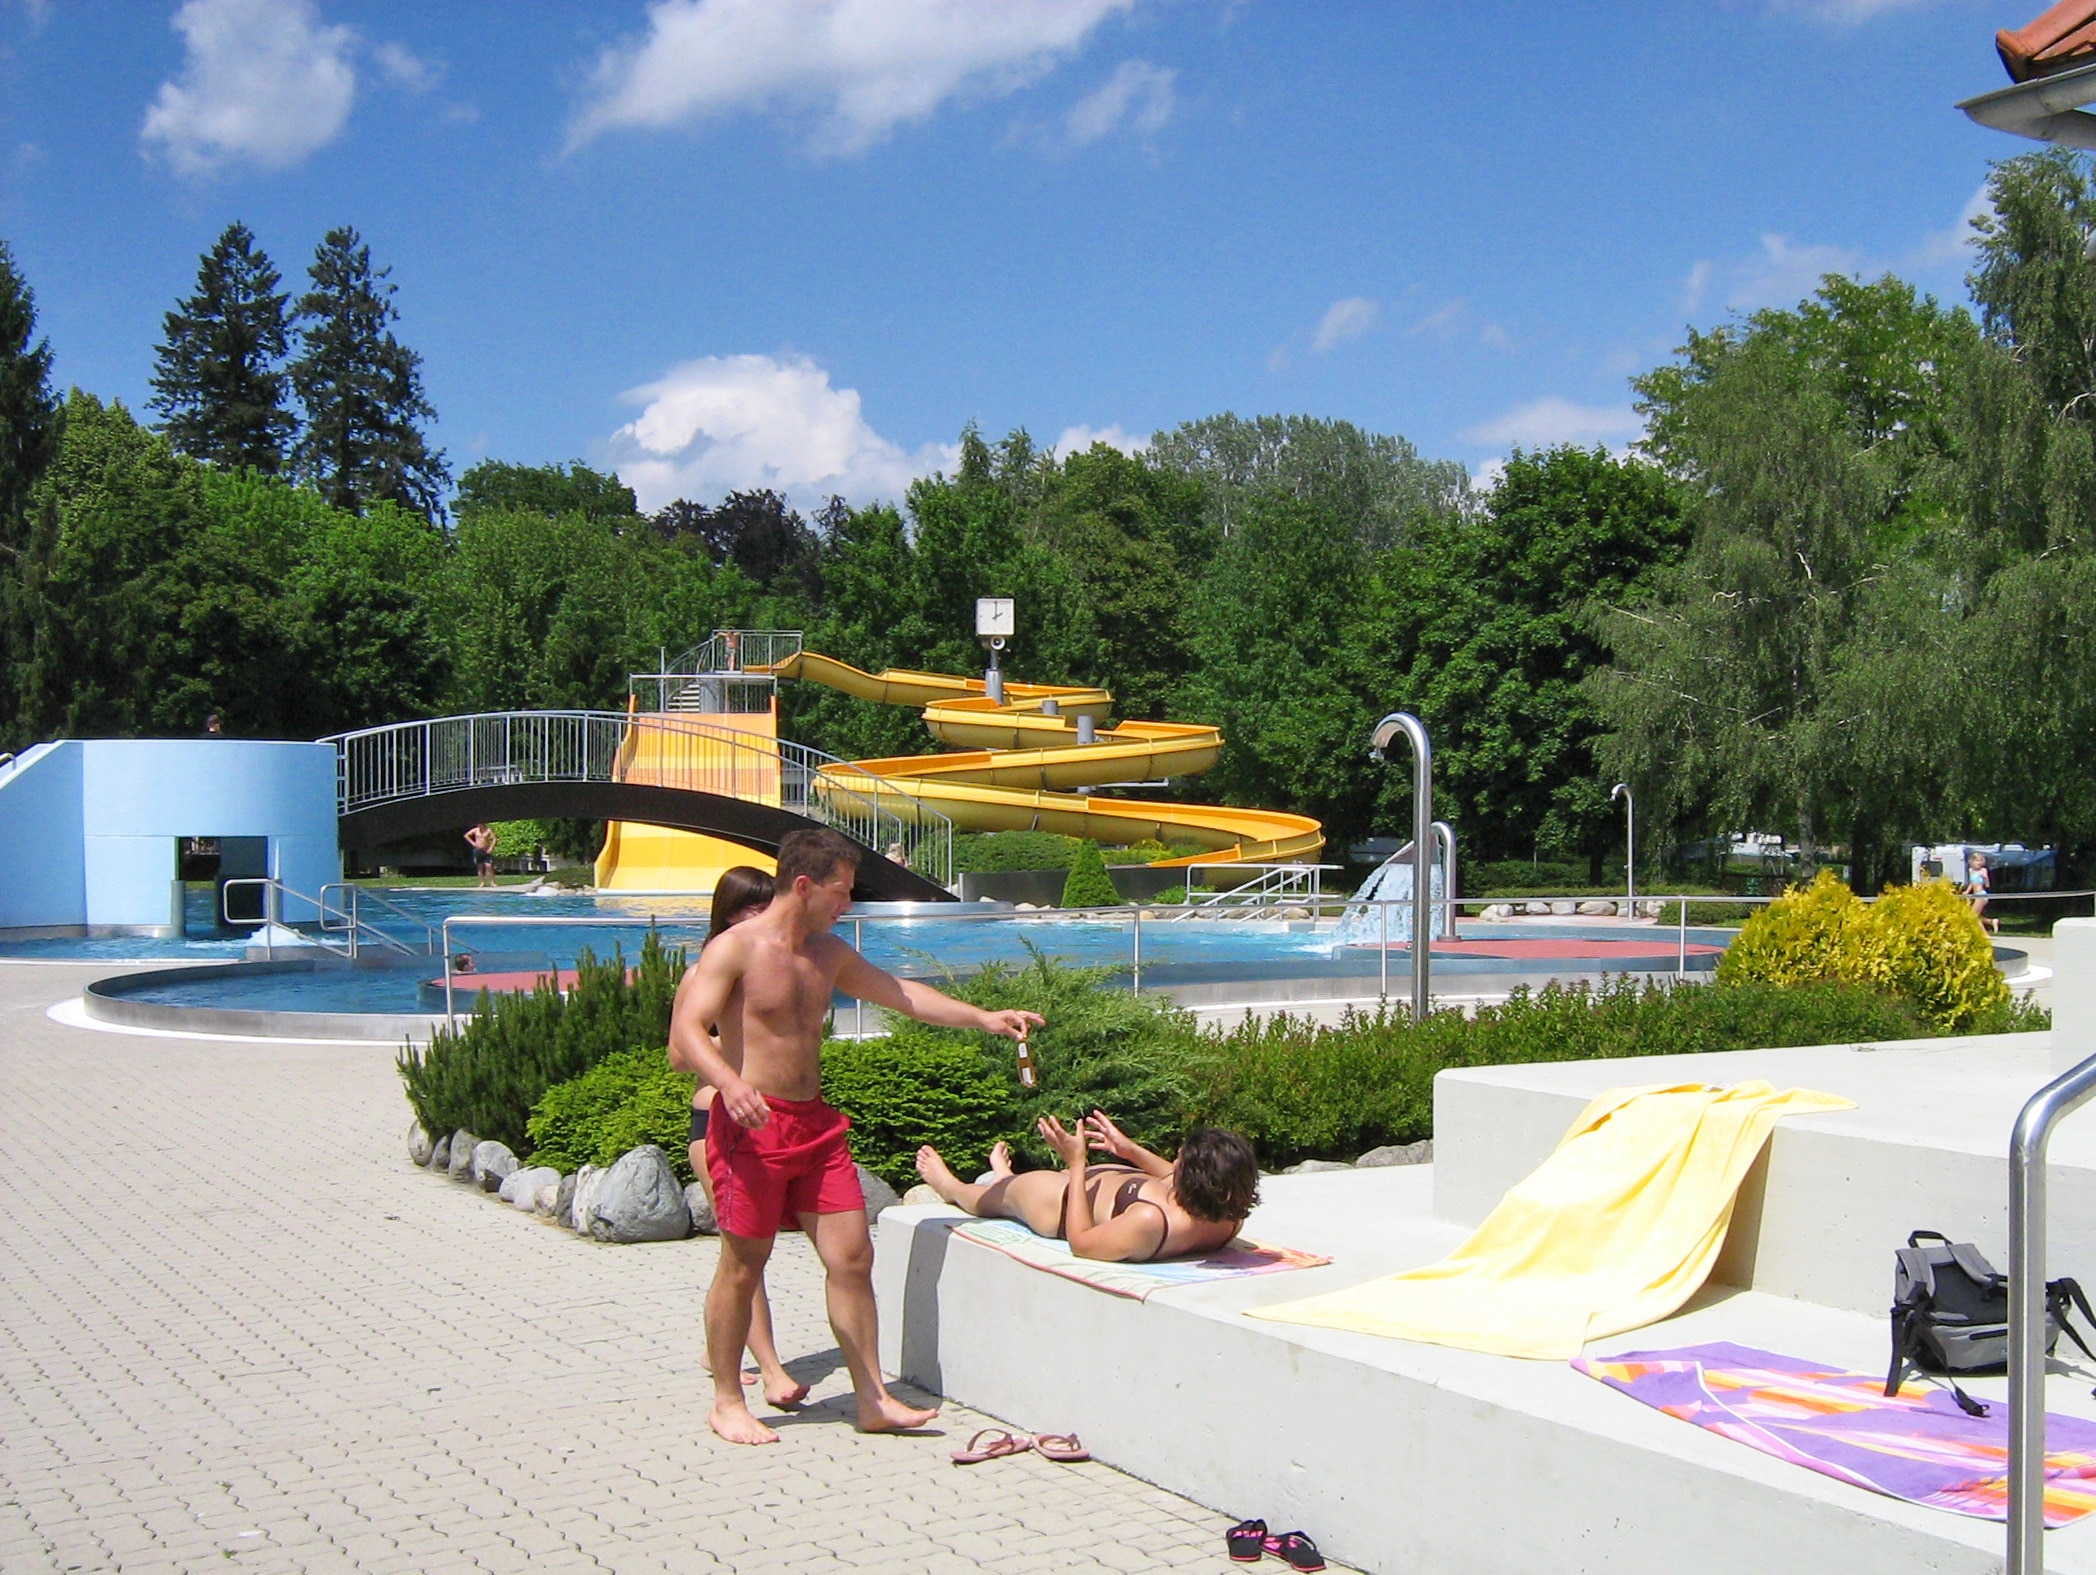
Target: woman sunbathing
pixel 1132 1209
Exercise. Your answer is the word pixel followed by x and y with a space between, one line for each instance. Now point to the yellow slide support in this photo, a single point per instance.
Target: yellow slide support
pixel 1019 759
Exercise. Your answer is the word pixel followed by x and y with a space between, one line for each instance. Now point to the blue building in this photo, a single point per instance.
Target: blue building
pixel 91 830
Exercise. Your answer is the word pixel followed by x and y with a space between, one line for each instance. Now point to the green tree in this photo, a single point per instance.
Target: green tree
pixel 1483 631
pixel 218 379
pixel 29 435
pixel 361 389
pixel 545 489
pixel 1375 482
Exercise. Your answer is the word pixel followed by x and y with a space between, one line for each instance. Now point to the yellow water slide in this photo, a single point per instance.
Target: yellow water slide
pixel 1019 758
pixel 676 751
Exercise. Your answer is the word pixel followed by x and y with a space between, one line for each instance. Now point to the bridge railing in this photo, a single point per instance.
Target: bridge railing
pixel 404 760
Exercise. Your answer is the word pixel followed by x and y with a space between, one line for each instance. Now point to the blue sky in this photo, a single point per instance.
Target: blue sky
pixel 720 243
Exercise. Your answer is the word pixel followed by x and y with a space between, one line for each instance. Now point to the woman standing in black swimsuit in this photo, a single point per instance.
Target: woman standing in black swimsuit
pixel 1131 1209
pixel 742 893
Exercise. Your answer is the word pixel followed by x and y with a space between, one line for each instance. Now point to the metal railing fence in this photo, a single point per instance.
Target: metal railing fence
pixel 406 760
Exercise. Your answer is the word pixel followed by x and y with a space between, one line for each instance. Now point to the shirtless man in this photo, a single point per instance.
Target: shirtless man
pixel 781 1154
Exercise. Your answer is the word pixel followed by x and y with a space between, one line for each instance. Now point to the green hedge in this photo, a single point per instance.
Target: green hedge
pixel 629 1098
pixel 991 852
pixel 907 1091
pixel 487 1076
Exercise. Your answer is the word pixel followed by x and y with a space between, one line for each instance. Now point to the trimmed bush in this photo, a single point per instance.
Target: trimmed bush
pixel 906 1091
pixel 489 1074
pixel 1299 1090
pixel 990 852
pixel 1088 885
pixel 518 839
pixel 629 1098
pixel 1921 944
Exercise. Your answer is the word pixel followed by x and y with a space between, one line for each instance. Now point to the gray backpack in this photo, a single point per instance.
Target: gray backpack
pixel 1950 1314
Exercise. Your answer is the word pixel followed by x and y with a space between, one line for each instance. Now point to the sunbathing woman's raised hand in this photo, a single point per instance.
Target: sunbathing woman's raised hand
pixel 1069 1146
pixel 1105 1136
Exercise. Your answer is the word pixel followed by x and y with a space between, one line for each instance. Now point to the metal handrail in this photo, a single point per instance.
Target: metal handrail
pixel 406 760
pixel 2027 1189
pixel 356 926
pixel 1280 882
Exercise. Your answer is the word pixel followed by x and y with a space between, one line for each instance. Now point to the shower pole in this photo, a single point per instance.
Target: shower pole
pixel 1385 734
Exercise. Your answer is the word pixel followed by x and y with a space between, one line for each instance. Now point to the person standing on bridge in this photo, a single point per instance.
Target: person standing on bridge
pixel 781 1153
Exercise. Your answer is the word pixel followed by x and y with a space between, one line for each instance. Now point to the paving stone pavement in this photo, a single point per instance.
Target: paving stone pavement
pixel 238 1330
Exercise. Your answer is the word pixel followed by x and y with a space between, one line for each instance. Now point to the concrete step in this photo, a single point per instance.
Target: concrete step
pixel 1403 1457
pixel 1819 1215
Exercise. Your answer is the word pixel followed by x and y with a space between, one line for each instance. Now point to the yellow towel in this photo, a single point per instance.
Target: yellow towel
pixel 1615 1230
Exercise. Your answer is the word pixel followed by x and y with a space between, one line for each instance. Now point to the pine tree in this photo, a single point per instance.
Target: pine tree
pixel 361 389
pixel 29 432
pixel 28 412
pixel 219 379
pixel 1088 885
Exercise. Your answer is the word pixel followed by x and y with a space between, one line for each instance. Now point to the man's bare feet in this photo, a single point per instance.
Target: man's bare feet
pixel 889 1415
pixel 937 1174
pixel 733 1421
pixel 1001 1160
pixel 783 1392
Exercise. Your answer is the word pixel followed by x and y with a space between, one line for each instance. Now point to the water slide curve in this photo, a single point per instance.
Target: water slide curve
pixel 1019 761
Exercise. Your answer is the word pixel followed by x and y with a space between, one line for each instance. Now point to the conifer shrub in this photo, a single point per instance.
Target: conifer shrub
pixel 1088 884
pixel 488 1074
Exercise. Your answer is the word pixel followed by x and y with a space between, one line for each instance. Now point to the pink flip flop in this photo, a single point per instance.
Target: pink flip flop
pixel 992 1443
pixel 1060 1446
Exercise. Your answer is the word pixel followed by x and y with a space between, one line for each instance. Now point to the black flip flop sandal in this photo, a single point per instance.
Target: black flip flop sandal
pixel 1298 1550
pixel 1246 1541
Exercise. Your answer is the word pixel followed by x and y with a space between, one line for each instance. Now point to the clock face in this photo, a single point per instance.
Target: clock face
pixel 994 617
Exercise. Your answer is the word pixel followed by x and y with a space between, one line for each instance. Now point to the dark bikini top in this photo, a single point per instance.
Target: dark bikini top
pixel 1127 1195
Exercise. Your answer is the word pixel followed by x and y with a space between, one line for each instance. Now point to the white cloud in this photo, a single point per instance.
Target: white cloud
pixel 1137 92
pixel 1847 13
pixel 720 423
pixel 1543 423
pixel 1343 320
pixel 263 83
pixel 1075 440
pixel 1695 288
pixel 1441 321
pixel 860 67
pixel 404 68
pixel 1784 273
pixel 1494 335
pixel 1953 246
pixel 1484 477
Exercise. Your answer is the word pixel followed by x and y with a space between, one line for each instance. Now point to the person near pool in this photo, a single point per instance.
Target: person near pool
pixel 481 839
pixel 1136 1207
pixel 1979 885
pixel 780 1153
pixel 742 893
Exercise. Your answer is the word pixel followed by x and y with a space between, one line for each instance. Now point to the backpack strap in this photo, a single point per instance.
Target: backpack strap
pixel 1977 1269
pixel 1921 1275
pixel 1916 1238
pixel 2060 1295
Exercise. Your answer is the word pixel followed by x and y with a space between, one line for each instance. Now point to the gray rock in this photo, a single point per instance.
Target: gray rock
pixel 460 1166
pixel 1311 1166
pixel 1564 908
pixel 520 1186
pixel 493 1164
pixel 639 1200
pixel 564 1200
pixel 920 1195
pixel 419 1143
pixel 702 1221
pixel 1539 910
pixel 1597 908
pixel 879 1195
pixel 546 1200
pixel 440 1154
pixel 1420 1153
pixel 580 1200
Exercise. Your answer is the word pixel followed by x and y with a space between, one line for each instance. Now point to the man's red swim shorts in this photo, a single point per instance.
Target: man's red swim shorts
pixel 796 1163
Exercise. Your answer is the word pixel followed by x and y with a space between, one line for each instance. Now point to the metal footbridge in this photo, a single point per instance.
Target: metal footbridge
pixel 680 771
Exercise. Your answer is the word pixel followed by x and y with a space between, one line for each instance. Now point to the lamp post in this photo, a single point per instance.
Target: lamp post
pixel 1622 790
pixel 1385 734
